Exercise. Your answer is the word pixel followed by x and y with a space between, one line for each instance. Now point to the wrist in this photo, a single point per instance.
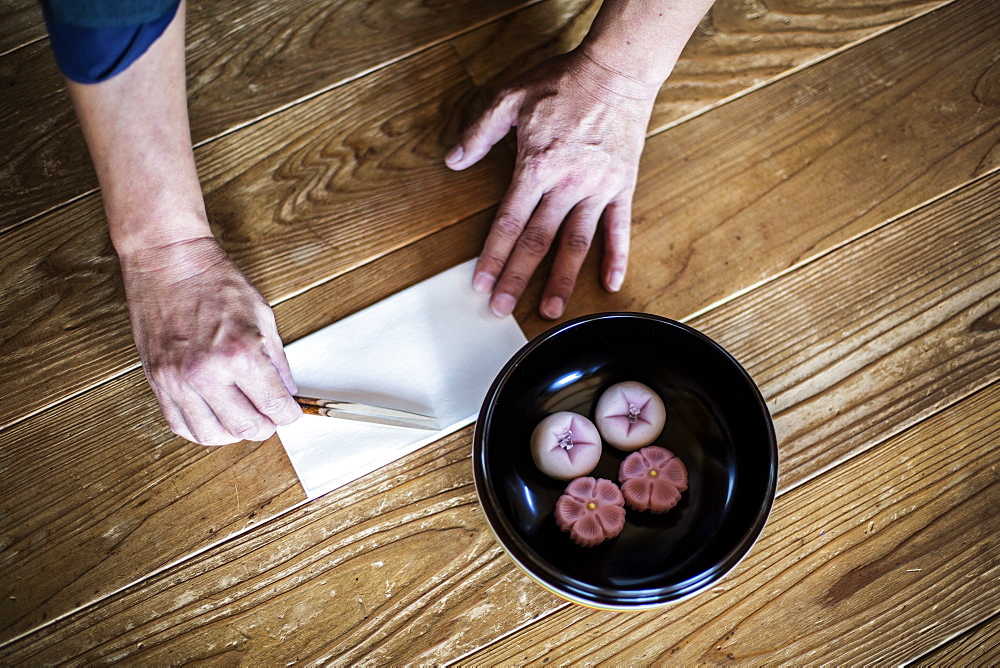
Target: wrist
pixel 641 40
pixel 174 259
pixel 135 233
pixel 604 72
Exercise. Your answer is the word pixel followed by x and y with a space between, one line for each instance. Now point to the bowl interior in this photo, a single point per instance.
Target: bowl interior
pixel 717 423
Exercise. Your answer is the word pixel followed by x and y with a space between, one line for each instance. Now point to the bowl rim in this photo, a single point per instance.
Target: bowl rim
pixel 494 518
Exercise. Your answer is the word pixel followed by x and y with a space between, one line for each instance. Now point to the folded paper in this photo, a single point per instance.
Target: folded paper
pixel 432 349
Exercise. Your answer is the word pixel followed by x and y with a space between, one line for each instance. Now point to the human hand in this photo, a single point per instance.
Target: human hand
pixel 208 343
pixel 580 133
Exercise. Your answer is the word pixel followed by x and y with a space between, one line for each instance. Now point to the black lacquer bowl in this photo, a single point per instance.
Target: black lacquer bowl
pixel 717 423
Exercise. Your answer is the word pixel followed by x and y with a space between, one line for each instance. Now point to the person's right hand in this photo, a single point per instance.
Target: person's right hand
pixel 208 343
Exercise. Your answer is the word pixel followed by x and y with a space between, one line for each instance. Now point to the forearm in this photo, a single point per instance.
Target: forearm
pixel 136 127
pixel 641 40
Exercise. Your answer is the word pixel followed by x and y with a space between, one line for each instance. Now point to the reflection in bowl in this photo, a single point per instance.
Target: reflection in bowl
pixel 717 424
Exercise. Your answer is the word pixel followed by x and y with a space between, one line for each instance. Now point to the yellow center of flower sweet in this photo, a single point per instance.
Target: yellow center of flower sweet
pixel 591 505
pixel 652 472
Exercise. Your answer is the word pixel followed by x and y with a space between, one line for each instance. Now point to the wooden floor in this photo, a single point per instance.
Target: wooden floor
pixel 820 193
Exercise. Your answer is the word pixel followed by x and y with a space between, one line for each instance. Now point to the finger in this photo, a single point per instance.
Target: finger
pixel 531 247
pixel 239 416
pixel 201 420
pixel 276 351
pixel 512 216
pixel 264 388
pixel 173 415
pixel 617 222
pixel 483 133
pixel 574 242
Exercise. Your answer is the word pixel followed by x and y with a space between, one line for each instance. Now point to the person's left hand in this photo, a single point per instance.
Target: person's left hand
pixel 580 132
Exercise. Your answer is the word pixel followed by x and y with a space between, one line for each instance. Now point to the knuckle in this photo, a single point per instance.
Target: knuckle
pixel 179 428
pixel 243 347
pixel 198 371
pixel 514 282
pixel 252 430
pixel 211 437
pixel 161 376
pixel 492 262
pixel 577 242
pixel 563 284
pixel 618 226
pixel 572 180
pixel 535 166
pixel 508 227
pixel 619 258
pixel 535 241
pixel 273 404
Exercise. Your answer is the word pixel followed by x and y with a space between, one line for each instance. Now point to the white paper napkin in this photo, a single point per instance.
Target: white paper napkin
pixel 432 349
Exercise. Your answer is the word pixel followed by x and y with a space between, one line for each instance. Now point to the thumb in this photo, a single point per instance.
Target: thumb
pixel 483 133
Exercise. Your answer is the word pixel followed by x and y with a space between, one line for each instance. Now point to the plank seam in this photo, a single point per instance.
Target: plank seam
pixel 25 45
pixel 905 428
pixel 971 629
pixel 179 561
pixel 508 634
pixel 305 98
pixel 777 559
pixel 850 240
pixel 797 68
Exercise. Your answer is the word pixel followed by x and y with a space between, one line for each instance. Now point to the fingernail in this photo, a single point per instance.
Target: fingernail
pixel 482 283
pixel 615 281
pixel 553 307
pixel 502 306
pixel 455 154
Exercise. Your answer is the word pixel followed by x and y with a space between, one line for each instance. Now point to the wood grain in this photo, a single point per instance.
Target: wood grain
pixel 212 495
pixel 295 201
pixel 248 61
pixel 43 157
pixel 800 178
pixel 882 559
pixel 897 323
pixel 979 646
pixel 739 45
pixel 20 24
pixel 742 193
pixel 481 596
pixel 120 542
pixel 245 61
pixel 437 511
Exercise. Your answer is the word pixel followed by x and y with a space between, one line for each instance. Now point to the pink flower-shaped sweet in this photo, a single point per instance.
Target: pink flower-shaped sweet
pixel 652 479
pixel 591 510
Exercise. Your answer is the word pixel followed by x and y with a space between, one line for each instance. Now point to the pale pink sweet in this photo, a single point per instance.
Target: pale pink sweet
pixel 592 510
pixel 630 415
pixel 565 446
pixel 652 479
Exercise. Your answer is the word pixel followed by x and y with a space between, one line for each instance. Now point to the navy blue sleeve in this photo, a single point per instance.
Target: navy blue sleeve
pixel 98 51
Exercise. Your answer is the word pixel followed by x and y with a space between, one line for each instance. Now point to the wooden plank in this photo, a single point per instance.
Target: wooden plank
pixel 315 308
pixel 738 195
pixel 20 24
pixel 99 525
pixel 979 646
pixel 738 46
pixel 245 60
pixel 43 157
pixel 799 178
pixel 873 563
pixel 873 333
pixel 294 201
pixel 238 590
